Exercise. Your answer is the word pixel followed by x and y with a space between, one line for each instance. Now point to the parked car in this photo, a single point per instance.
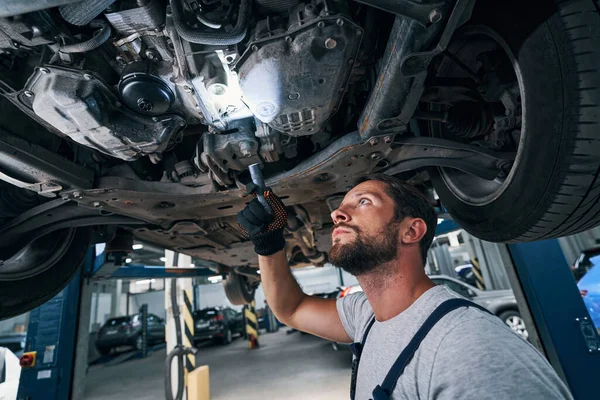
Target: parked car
pixel 587 275
pixel 15 342
pixel 465 274
pixel 500 302
pixel 587 260
pixel 10 373
pixel 219 324
pixel 138 120
pixel 127 331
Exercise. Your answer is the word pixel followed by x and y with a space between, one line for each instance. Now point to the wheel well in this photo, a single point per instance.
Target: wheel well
pixel 507 308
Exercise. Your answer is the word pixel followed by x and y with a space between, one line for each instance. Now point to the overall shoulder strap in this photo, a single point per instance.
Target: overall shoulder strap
pixel 384 391
pixel 356 347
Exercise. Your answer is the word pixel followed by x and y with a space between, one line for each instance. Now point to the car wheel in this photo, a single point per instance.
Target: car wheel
pixel 238 289
pixel 515 322
pixel 40 269
pixel 139 343
pixel 548 94
pixel 104 350
pixel 227 337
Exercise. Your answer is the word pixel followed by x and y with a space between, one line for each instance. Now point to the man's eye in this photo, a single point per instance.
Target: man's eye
pixel 363 201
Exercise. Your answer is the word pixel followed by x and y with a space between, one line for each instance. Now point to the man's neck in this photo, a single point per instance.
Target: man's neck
pixel 390 293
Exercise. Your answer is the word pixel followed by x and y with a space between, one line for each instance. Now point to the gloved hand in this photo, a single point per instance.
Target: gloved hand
pixel 263 228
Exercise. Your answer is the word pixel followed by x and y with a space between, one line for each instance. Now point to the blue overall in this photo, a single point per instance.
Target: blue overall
pixel 384 391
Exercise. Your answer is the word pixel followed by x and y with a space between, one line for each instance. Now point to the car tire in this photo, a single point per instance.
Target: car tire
pixel 139 343
pixel 104 350
pixel 553 189
pixel 238 289
pixel 227 337
pixel 515 322
pixel 18 296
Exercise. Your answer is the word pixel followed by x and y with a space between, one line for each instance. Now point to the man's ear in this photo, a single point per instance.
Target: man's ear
pixel 413 230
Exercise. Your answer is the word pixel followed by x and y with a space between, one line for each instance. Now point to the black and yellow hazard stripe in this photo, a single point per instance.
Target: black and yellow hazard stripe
pixel 251 325
pixel 479 282
pixel 188 337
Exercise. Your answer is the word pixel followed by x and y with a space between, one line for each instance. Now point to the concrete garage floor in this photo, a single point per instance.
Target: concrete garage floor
pixel 290 367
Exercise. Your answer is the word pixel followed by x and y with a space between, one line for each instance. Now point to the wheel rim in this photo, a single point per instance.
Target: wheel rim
pixel 468 188
pixel 37 256
pixel 517 325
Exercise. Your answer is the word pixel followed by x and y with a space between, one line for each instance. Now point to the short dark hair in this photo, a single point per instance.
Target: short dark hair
pixel 409 202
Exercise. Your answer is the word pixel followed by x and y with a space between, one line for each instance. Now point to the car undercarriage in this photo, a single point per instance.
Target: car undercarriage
pixel 126 119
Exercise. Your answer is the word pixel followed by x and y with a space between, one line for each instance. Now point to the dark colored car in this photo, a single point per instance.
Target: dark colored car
pixel 218 324
pixel 139 119
pixel 15 342
pixel 127 331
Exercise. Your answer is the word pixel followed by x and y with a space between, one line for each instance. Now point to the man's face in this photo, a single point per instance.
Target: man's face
pixel 365 234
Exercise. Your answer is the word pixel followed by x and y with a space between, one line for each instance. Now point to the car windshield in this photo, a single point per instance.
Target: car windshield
pixel 205 314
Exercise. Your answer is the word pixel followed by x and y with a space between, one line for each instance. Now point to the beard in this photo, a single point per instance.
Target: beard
pixel 366 253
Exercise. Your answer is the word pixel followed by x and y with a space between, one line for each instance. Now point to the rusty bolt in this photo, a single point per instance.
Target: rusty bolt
pixel 330 43
pixel 435 16
pixel 387 139
pixel 373 141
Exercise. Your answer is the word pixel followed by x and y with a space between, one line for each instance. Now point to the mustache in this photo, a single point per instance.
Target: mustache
pixel 346 226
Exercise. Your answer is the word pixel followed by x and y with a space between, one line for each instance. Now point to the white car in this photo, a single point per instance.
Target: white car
pixel 10 371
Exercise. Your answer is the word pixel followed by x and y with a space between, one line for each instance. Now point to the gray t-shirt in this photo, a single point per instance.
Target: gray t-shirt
pixel 468 354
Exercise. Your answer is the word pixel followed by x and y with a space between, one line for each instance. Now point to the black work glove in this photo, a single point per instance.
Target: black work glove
pixel 265 229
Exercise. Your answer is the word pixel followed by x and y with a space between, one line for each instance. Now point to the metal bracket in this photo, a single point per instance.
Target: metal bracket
pixel 417 62
pixel 32 167
pixel 424 13
pixel 421 152
pixel 415 65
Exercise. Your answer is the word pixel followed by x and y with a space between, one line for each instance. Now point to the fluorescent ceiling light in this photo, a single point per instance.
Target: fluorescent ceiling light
pixel 128 260
pixel 137 246
pixel 163 259
pixel 144 281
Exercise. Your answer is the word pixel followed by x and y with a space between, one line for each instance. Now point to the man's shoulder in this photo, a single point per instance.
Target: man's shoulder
pixel 468 331
pixel 355 311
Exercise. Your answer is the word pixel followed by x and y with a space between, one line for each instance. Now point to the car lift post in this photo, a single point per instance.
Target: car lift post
pixel 196 380
pixel 53 335
pixel 557 320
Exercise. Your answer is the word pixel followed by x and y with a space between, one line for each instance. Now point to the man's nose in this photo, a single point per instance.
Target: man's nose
pixel 339 215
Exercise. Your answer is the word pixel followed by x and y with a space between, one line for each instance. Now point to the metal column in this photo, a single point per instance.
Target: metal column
pixel 52 335
pixel 542 275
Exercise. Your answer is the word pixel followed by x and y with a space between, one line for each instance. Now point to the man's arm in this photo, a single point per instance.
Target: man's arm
pixel 295 308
